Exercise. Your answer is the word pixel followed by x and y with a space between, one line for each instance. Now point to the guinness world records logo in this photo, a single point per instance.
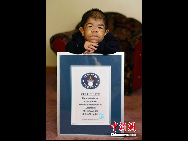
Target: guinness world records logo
pixel 90 80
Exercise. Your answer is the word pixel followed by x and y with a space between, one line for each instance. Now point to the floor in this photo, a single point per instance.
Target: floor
pixel 132 113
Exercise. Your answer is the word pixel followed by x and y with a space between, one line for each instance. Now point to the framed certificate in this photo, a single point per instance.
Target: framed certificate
pixel 90 93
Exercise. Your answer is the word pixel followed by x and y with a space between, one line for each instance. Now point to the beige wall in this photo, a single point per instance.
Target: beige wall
pixel 64 15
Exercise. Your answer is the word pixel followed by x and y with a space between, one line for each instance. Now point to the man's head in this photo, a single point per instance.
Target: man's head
pixel 94 25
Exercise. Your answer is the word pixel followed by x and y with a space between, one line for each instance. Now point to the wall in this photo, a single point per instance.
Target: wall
pixel 64 15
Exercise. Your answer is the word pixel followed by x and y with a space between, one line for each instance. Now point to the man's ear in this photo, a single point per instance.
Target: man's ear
pixel 106 32
pixel 81 30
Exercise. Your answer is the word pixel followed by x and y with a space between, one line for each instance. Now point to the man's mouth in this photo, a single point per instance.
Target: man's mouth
pixel 94 36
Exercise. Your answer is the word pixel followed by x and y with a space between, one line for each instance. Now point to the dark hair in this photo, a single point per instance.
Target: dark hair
pixel 96 14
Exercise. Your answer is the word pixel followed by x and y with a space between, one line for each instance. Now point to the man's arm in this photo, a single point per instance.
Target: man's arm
pixel 76 44
pixel 109 45
pixel 75 47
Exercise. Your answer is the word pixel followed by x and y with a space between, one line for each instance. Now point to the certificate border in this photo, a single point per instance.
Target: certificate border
pixel 58 92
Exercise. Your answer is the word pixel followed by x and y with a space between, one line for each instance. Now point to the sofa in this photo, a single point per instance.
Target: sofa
pixel 128 31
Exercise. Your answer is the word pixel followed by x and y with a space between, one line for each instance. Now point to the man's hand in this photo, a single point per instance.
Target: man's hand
pixel 88 52
pixel 90 47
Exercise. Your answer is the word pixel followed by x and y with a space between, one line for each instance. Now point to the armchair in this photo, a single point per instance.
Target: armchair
pixel 128 31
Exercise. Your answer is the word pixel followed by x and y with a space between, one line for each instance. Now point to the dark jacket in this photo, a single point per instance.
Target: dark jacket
pixel 108 45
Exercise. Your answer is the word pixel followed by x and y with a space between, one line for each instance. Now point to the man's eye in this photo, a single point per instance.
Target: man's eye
pixel 89 26
pixel 100 27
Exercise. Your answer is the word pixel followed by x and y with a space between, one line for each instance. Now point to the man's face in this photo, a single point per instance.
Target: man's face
pixel 94 30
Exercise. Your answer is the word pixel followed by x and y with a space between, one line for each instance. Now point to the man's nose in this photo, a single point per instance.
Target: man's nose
pixel 94 29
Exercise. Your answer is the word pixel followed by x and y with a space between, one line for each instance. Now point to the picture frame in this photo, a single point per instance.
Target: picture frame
pixel 105 88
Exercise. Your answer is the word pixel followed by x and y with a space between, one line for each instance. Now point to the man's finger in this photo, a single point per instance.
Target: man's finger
pixel 92 47
pixel 94 44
